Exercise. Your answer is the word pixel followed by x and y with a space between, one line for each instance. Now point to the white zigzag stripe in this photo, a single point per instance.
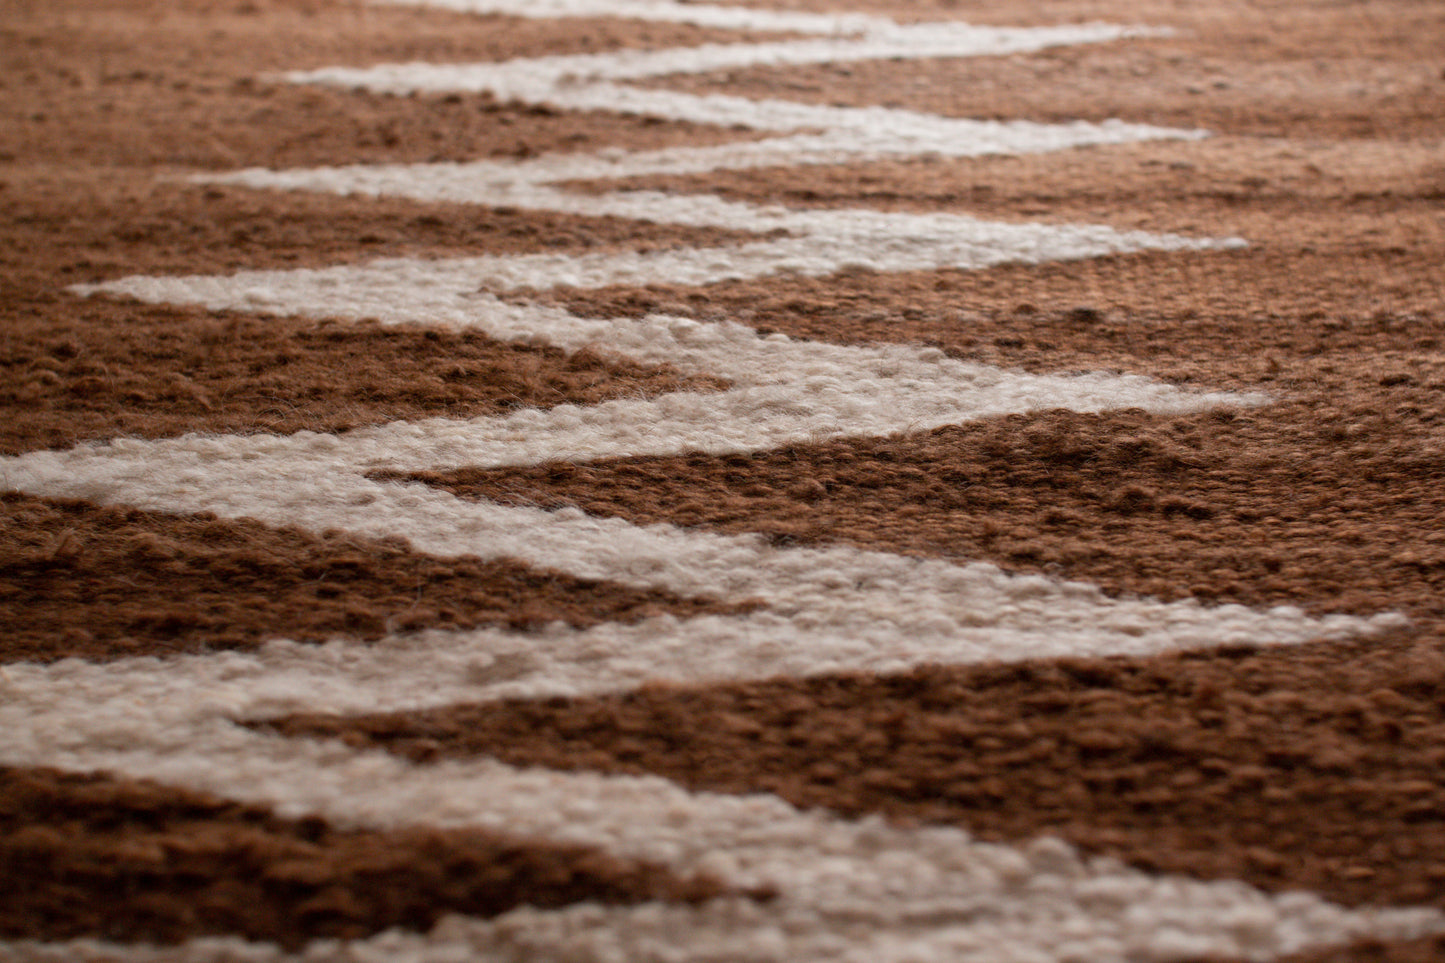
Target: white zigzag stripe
pixel 876 134
pixel 784 391
pixel 524 76
pixel 670 11
pixel 828 609
pixel 850 889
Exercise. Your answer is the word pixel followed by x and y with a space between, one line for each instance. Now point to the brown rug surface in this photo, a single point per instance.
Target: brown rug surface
pixel 754 481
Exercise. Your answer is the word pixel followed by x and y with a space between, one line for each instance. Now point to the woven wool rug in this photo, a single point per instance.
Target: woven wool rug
pixel 651 480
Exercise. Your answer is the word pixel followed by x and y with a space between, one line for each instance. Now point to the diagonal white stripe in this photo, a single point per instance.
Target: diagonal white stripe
pixel 667 11
pixel 785 391
pixel 972 245
pixel 862 887
pixel 850 889
pixel 850 135
pixel 730 18
pixel 828 609
pixel 535 74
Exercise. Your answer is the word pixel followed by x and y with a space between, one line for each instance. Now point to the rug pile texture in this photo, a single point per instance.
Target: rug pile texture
pixel 894 481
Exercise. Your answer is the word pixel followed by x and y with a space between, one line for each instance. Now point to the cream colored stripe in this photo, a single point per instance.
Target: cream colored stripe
pixel 828 609
pixel 847 888
pixel 760 19
pixel 666 11
pixel 867 130
pixel 865 888
pixel 534 76
pixel 852 134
